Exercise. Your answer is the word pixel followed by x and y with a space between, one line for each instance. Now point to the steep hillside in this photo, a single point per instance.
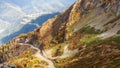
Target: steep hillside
pixel 86 35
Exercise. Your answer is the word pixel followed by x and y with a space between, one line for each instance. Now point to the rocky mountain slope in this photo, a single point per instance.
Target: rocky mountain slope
pixel 86 35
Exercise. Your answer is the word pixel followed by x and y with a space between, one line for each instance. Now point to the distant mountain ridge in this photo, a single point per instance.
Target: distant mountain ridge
pixel 29 26
pixel 15 14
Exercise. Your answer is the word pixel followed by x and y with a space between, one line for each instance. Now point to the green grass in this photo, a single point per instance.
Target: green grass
pixel 90 35
pixel 118 32
pixel 89 39
pixel 90 30
pixel 116 39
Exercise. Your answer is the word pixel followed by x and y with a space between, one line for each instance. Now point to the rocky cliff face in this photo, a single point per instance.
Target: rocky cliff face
pixel 86 35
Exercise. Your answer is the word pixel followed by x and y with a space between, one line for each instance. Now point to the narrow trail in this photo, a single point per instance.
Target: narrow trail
pixel 47 55
pixel 39 55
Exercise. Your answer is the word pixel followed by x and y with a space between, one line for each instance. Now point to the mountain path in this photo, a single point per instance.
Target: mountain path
pixel 39 55
pixel 47 56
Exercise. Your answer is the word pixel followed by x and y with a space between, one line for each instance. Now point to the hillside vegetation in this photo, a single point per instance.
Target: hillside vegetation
pixel 86 35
